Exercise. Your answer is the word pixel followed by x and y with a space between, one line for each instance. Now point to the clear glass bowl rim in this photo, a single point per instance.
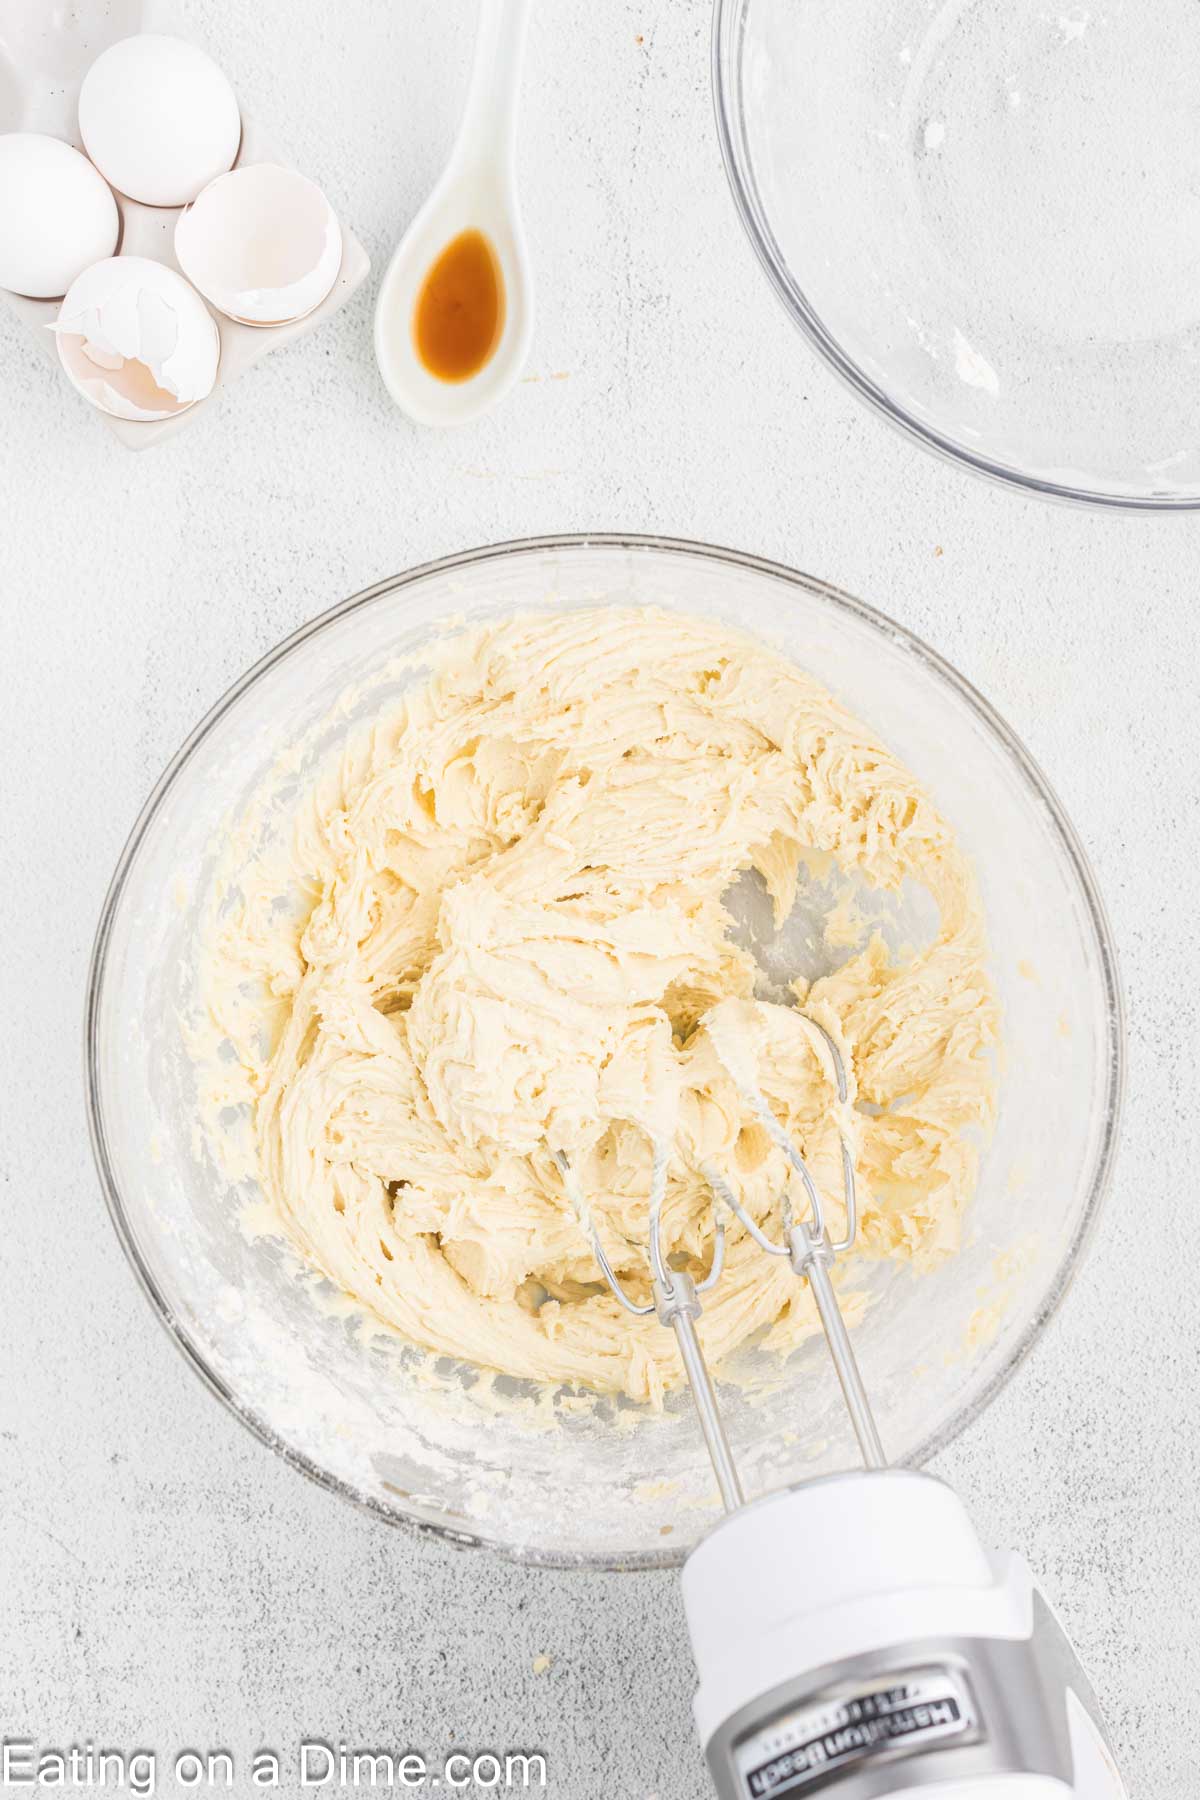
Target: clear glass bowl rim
pixel 635 543
pixel 727 23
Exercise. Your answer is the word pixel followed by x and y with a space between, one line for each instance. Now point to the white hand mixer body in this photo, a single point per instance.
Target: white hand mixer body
pixel 853 1638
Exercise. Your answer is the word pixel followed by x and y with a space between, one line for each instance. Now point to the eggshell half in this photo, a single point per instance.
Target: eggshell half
pixel 158 118
pixel 137 340
pixel 261 243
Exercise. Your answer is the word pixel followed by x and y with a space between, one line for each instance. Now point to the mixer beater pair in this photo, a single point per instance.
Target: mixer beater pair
pixel 806 1243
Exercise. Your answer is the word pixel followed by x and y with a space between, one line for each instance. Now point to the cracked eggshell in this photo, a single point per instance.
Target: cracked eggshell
pixel 137 340
pixel 158 118
pixel 261 243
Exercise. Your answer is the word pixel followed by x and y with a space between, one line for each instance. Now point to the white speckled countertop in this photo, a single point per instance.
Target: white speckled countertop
pixel 163 1580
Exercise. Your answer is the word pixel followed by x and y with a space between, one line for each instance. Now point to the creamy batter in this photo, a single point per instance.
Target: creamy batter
pixel 497 937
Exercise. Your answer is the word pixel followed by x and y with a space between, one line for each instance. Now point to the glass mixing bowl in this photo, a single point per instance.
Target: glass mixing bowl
pixel 418 1440
pixel 986 216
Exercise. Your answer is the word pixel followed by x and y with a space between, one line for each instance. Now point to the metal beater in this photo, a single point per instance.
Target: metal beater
pixel 851 1632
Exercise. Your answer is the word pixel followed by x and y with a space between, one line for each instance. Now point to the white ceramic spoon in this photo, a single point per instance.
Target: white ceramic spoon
pixel 477 191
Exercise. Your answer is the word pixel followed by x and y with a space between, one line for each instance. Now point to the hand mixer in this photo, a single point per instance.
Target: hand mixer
pixel 853 1638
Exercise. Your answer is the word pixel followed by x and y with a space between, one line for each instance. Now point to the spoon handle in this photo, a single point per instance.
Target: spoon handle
pixel 488 131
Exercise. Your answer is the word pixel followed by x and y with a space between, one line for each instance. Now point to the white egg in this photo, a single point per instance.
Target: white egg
pixel 57 215
pixel 137 340
pixel 262 243
pixel 158 119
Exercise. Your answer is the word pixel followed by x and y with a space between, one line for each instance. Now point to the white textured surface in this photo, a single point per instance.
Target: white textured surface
pixel 164 1581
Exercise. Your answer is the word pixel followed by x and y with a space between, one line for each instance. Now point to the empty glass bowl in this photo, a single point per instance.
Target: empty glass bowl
pixel 422 1440
pixel 986 215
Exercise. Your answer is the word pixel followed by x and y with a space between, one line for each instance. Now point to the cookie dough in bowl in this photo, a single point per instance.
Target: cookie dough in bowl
pixel 492 940
pixel 448 889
